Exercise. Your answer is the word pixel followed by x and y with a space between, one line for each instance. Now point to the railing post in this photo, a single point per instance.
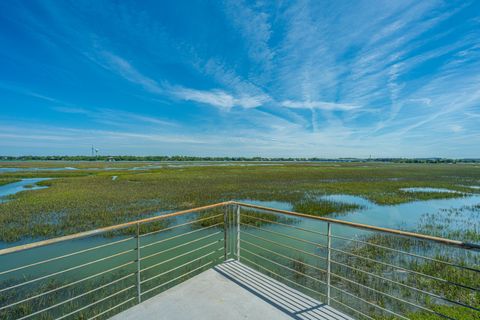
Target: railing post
pixel 225 230
pixel 139 292
pixel 329 246
pixel 238 232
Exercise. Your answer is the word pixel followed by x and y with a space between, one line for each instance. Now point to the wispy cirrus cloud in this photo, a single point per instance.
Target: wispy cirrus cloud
pixel 301 76
pixel 115 117
pixel 126 70
pixel 320 105
pixel 216 97
pixel 220 98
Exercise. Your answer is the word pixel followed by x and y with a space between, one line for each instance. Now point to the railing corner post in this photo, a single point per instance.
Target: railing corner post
pixel 329 246
pixel 238 232
pixel 225 231
pixel 139 291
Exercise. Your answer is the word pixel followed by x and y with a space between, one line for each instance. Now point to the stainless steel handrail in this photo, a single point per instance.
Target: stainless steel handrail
pixel 362 242
pixel 232 222
pixel 107 229
pixel 180 225
pixel 17 299
pixel 416 305
pixel 465 245
pixel 371 260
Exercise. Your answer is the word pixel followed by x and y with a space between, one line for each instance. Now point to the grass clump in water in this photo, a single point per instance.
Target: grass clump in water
pixel 323 207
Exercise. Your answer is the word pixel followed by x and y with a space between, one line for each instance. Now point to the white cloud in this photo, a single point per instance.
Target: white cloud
pixel 220 98
pixel 215 97
pixel 321 105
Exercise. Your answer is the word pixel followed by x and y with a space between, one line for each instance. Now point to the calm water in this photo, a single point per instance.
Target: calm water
pixel 403 216
pixel 23 185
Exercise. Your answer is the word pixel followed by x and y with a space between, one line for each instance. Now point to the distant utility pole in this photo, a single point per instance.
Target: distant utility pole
pixel 94 151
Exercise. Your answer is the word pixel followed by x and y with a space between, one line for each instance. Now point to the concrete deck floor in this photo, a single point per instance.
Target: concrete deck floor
pixel 231 291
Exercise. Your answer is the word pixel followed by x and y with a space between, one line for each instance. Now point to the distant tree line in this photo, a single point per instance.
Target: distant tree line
pixel 251 159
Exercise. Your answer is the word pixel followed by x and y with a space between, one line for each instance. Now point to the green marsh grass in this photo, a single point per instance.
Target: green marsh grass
pixel 86 199
pixel 80 200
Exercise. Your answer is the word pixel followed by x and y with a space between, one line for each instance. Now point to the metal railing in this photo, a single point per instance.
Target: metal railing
pixel 365 271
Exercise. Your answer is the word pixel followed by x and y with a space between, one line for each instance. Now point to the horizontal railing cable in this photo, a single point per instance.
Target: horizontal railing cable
pixel 287 225
pixel 405 285
pixel 179 246
pixel 350 308
pixel 66 285
pixel 178 267
pixel 389 295
pixel 179 235
pixel 66 270
pixel 65 256
pixel 348 280
pixel 283 277
pixel 406 270
pixel 176 278
pixel 94 303
pixel 77 296
pixel 112 308
pixel 407 253
pixel 284 245
pixel 369 303
pixel 283 256
pixel 179 225
pixel 285 236
pixel 180 256
pixel 283 266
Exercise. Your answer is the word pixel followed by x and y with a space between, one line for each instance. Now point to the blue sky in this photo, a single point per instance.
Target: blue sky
pixel 240 78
